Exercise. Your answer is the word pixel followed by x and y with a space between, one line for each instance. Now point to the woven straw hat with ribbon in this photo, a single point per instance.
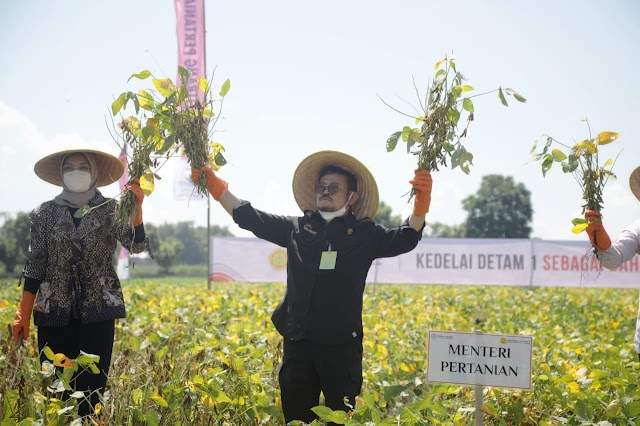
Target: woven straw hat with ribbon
pixel 634 182
pixel 49 168
pixel 307 175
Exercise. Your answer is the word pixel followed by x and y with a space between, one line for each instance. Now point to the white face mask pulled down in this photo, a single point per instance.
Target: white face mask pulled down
pixel 328 216
pixel 77 180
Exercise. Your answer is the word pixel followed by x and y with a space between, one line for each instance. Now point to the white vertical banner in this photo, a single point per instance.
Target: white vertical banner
pixel 122 267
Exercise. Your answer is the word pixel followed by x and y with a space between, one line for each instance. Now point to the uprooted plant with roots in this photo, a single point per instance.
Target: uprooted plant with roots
pixel 582 161
pixel 167 121
pixel 437 141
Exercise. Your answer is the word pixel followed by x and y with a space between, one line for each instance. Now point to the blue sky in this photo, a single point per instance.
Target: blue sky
pixel 305 77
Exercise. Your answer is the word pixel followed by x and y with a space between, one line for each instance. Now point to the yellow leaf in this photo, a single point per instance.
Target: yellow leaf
pixel 607 163
pixel 165 86
pixel 588 145
pixel 204 84
pixel 98 408
pixel 573 387
pixel 607 137
pixel 145 99
pixel 440 62
pixel 147 184
pixel 579 228
pixel 61 360
pixel 159 400
pixel 383 350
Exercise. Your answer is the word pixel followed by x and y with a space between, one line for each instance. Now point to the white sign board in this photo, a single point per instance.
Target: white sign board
pixel 479 359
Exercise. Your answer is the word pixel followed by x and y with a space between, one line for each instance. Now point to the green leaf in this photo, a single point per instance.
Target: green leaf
pixel 392 141
pixel 467 88
pixel 184 74
pixel 48 353
pixel 515 94
pixel 145 100
pixel 136 396
pixel 558 155
pixel 467 104
pixel 82 211
pixel 220 160
pixel 141 75
pixel 225 88
pixel 546 164
pixel 167 145
pixel 502 98
pixel 570 166
pixel 578 220
pixel 323 412
pixel 152 417
pixel 117 105
pixel 406 130
pixel 632 409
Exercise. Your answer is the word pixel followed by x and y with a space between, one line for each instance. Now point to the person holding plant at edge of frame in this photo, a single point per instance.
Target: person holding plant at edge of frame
pixel 613 254
pixel 71 285
pixel 330 249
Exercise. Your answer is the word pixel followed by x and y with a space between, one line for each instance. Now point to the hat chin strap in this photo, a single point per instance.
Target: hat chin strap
pixel 329 216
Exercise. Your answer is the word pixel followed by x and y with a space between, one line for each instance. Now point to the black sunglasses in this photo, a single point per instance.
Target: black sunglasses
pixel 321 188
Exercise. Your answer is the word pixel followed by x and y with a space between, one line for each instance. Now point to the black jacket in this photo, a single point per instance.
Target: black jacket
pixel 325 306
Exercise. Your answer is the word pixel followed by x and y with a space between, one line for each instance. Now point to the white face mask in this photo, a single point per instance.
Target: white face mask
pixel 77 180
pixel 328 216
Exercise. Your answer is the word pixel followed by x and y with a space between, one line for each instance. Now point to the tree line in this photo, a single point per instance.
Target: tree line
pixel 500 208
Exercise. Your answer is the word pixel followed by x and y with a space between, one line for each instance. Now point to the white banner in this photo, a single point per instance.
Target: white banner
pixel 514 262
pixel 183 187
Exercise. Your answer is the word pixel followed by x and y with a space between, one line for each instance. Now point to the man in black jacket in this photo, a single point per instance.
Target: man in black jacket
pixel 330 249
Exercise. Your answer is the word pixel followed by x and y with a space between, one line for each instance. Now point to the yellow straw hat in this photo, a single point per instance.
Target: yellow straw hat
pixel 634 182
pixel 110 168
pixel 307 175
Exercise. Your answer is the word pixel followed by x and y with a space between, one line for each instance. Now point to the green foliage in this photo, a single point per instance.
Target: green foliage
pixel 193 238
pixel 167 252
pixel 187 356
pixel 14 241
pixel 385 218
pixel 500 209
pixel 438 139
pixel 581 160
pixel 442 230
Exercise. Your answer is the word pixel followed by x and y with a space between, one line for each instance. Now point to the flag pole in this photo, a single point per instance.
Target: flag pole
pixel 209 247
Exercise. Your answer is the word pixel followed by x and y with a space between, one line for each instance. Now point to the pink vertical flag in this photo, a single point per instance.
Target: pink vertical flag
pixel 191 43
pixel 191 55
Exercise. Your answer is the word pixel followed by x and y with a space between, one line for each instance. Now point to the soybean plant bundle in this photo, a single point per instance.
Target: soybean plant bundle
pixel 165 122
pixel 583 163
pixel 191 130
pixel 438 139
pixel 140 166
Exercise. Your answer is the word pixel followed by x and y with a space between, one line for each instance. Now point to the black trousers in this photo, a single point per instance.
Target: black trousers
pixel 94 339
pixel 309 368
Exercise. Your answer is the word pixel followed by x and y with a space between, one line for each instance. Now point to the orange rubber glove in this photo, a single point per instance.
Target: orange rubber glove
pixel 22 320
pixel 597 234
pixel 139 194
pixel 216 186
pixel 422 183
